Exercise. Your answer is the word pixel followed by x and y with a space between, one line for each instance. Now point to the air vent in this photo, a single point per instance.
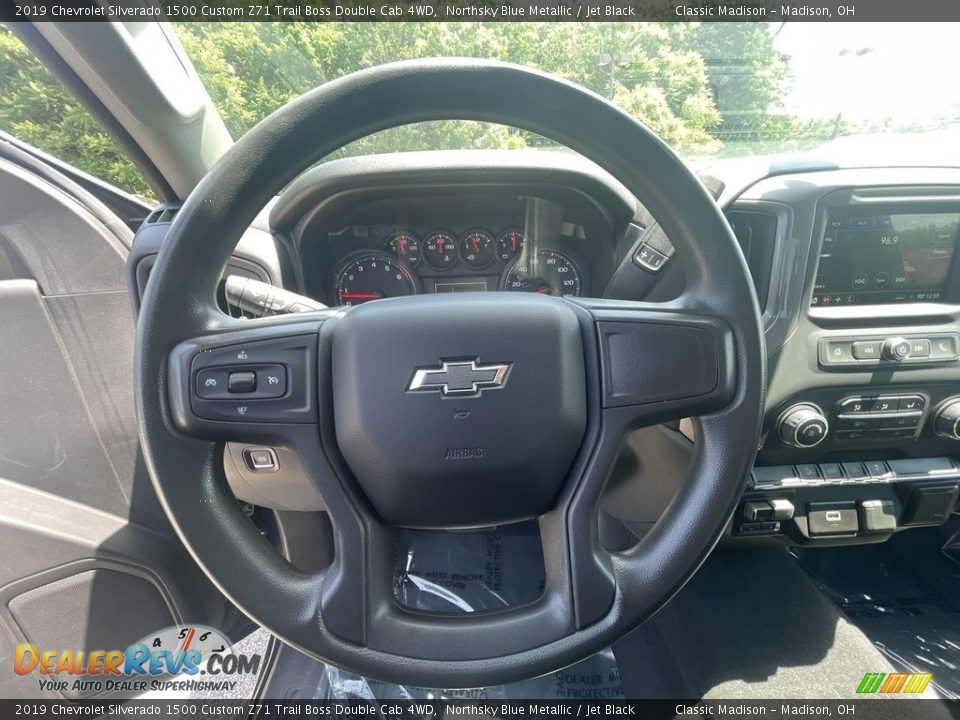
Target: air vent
pixel 756 232
pixel 161 215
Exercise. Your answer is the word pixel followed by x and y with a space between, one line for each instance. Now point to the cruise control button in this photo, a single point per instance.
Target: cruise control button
pixel 212 383
pixel 272 381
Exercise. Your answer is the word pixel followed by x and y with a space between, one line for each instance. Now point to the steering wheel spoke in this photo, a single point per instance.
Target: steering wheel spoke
pixel 662 362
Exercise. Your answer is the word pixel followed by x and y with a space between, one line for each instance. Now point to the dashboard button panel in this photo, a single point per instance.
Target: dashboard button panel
pixel 816 504
pixel 892 351
pixel 888 417
pixel 779 477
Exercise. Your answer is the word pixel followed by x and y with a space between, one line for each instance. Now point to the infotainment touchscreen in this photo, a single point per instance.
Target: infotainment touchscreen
pixel 881 259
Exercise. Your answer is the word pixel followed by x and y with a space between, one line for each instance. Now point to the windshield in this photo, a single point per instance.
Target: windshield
pixel 836 91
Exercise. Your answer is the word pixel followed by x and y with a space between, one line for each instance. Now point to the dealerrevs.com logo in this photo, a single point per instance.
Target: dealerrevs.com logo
pixel 180 658
pixel 894 683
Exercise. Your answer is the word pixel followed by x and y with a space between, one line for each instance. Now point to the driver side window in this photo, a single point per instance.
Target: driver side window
pixel 36 109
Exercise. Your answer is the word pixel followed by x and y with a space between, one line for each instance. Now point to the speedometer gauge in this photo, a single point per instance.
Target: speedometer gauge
pixel 372 276
pixel 547 272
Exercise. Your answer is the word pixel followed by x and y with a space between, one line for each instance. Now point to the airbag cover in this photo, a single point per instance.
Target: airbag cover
pixel 446 454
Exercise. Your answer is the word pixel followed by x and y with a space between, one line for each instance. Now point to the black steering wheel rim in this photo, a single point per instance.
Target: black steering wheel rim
pixel 180 306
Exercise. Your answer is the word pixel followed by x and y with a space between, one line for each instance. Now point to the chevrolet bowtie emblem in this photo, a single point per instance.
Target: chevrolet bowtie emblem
pixel 459 378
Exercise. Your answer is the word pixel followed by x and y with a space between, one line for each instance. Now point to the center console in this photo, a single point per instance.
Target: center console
pixel 862 433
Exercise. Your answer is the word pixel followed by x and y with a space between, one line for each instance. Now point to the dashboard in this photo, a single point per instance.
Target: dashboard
pixel 856 273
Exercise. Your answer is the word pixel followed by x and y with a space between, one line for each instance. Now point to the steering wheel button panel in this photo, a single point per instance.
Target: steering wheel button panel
pixel 267 381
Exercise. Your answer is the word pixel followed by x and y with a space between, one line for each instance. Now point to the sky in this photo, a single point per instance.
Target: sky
pixel 910 72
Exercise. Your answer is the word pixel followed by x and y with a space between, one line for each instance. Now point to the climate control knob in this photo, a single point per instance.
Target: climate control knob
pixel 896 349
pixel 802 426
pixel 946 424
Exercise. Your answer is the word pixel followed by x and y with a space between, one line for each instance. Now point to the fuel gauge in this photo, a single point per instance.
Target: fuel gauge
pixel 477 248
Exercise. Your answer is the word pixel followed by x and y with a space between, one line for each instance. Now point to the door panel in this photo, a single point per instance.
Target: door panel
pixel 89 561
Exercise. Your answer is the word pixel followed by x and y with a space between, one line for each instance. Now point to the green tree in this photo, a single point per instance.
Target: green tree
pixel 748 79
pixel 35 108
pixel 700 86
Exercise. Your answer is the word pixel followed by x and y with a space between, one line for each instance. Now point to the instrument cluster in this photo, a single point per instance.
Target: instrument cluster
pixel 442 260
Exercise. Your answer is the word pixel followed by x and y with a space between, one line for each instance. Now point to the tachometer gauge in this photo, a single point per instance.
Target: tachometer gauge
pixel 440 250
pixel 509 245
pixel 405 247
pixel 372 276
pixel 547 272
pixel 477 248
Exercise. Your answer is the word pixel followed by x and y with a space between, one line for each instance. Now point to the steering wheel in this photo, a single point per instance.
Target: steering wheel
pixel 527 404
